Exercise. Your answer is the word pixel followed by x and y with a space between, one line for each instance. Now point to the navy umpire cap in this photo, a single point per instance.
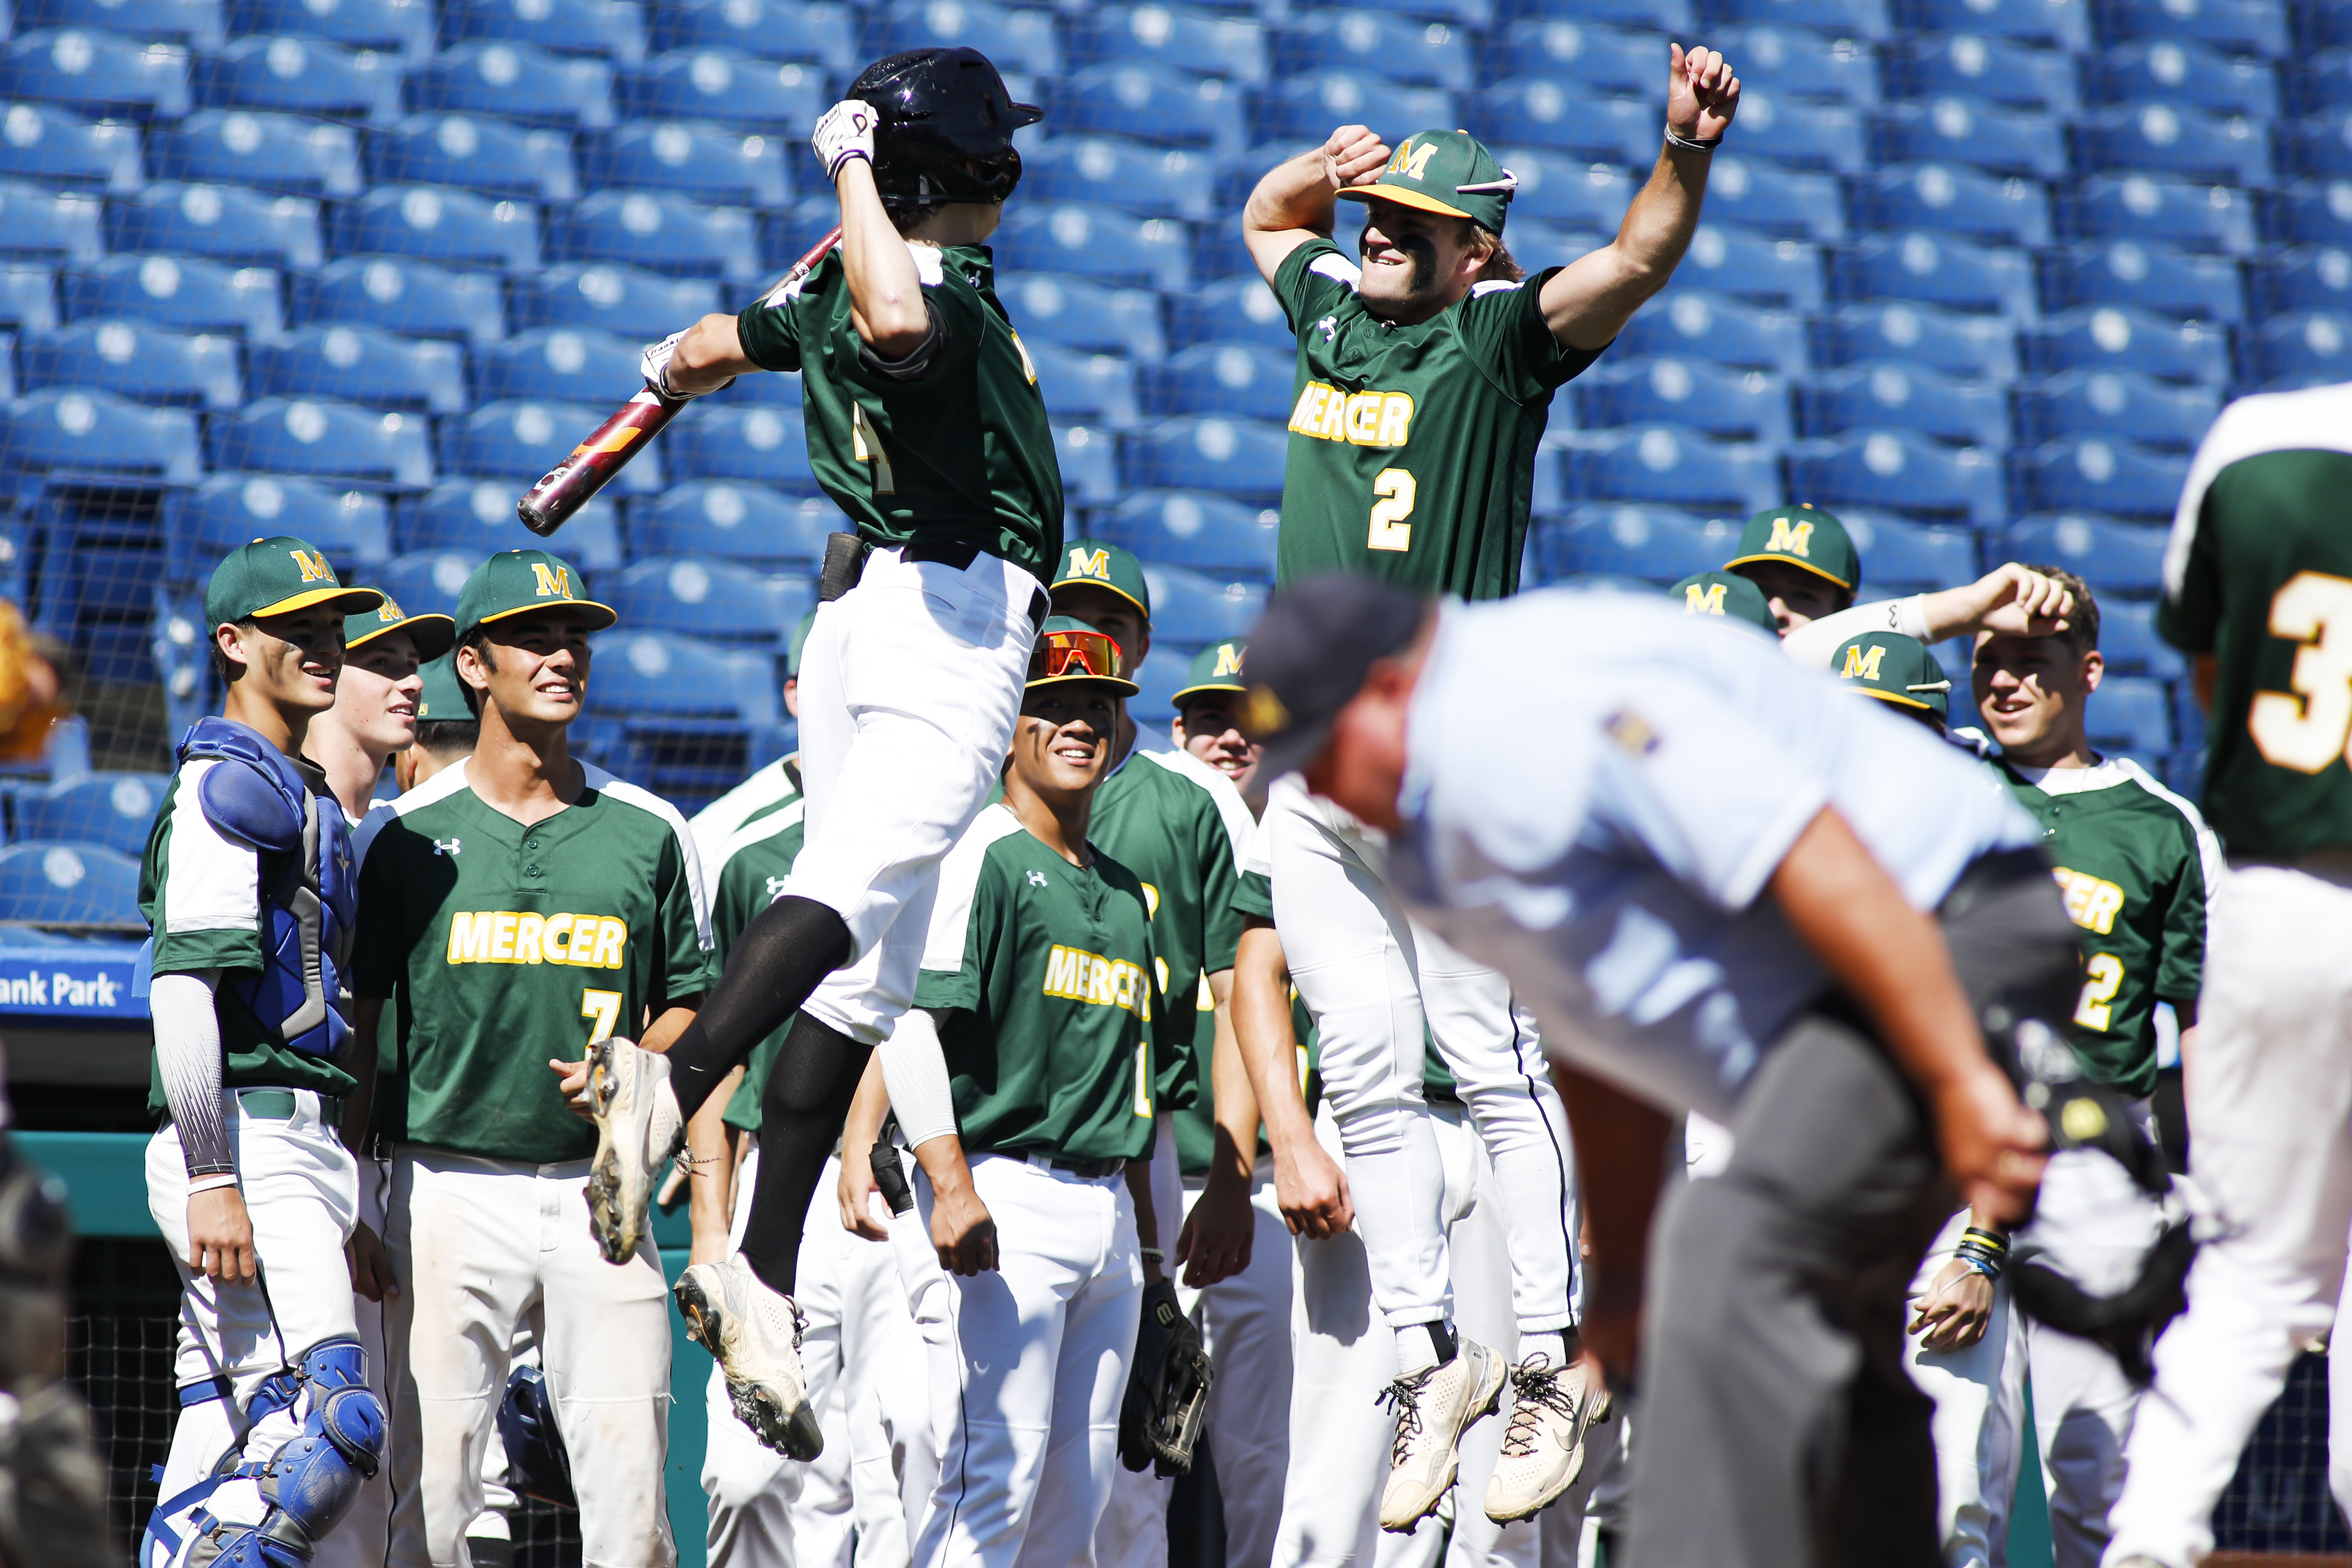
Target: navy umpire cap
pixel 1309 656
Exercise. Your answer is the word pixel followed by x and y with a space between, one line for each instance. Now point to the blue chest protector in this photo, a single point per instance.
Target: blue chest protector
pixel 309 894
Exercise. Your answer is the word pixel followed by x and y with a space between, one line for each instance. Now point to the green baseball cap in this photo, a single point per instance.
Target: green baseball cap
pixel 278 577
pixel 1091 563
pixel 1729 595
pixel 1069 651
pixel 433 634
pixel 1897 670
pixel 443 701
pixel 1802 536
pixel 516 582
pixel 1217 668
pixel 799 642
pixel 1447 172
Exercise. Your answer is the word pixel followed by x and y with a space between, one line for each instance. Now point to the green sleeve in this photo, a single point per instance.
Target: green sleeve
pixel 963 317
pixel 379 953
pixel 2180 970
pixel 1505 331
pixel 2189 617
pixel 968 988
pixel 1221 922
pixel 1306 293
pixel 770 327
pixel 685 965
pixel 1254 895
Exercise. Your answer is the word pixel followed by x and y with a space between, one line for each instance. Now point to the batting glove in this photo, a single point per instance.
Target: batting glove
pixel 846 131
pixel 654 366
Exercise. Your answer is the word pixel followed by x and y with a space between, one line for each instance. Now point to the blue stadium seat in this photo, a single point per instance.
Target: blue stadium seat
pixel 2311 214
pixel 1020 40
pixel 1566 190
pixel 38 221
pixel 1790 62
pixel 176 648
pixel 477 152
pixel 1089 456
pixel 2130 713
pixel 476 517
pixel 1942 199
pixel 719 441
pixel 2093 474
pixel 553 363
pixel 1899 470
pixel 1377 43
pixel 1189 608
pixel 1968 64
pixel 2065 24
pixel 717 599
pixel 1958 342
pixel 97 73
pixel 2109 554
pixel 1302 110
pixel 2117 405
pixel 1154 181
pixel 203 524
pixel 138 360
pixel 787 236
pixel 626 301
pixel 69 885
pixel 1594 58
pixel 1079 314
pixel 2239 26
pixel 402 295
pixel 270 152
pixel 28 296
pixel 718 84
pixel 114 811
pixel 2173 71
pixel 1905 395
pixel 2128 640
pixel 72 431
pixel 300 75
pixel 2311 349
pixel 1802 134
pixel 1695 324
pixel 1740 404
pixel 1673 15
pixel 657 230
pixel 519 81
pixel 2309 278
pixel 1233 379
pixel 1751 266
pixel 519 440
pixel 731 520
pixel 1094 242
pixel 1165 108
pixel 1675 466
pixel 198 22
pixel 2158 278
pixel 2186 141
pixel 687 718
pixel 2117 337
pixel 812 30
pixel 225 223
pixel 2319 143
pixel 403 27
pixel 1655 544
pixel 1772 200
pixel 1098 388
pixel 287 436
pixel 705 163
pixel 2168 211
pixel 427 583
pixel 1240 458
pixel 434 223
pixel 1206 533
pixel 57 147
pixel 1871 19
pixel 364 365
pixel 1937 269
pixel 1975 131
pixel 174 291
pixel 1910 556
pixel 614 29
pixel 1537 112
pixel 1161 38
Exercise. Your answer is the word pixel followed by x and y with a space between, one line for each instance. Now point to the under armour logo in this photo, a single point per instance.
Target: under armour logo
pixel 775 889
pixel 1037 879
pixel 1330 327
pixel 449 847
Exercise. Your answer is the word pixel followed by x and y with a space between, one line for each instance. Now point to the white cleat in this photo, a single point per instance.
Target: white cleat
pixel 755 1334
pixel 1433 1409
pixel 638 1130
pixel 1543 1448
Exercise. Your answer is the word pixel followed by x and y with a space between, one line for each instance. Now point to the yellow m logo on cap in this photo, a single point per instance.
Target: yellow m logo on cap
pixel 1412 162
pixel 312 563
pixel 1229 660
pixel 1790 537
pixel 1085 565
pixel 388 612
pixel 1862 663
pixel 1703 599
pixel 554 581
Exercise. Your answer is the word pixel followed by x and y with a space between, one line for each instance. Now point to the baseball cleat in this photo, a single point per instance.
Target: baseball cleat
pixel 755 1334
pixel 638 1130
pixel 1543 1447
pixel 1433 1409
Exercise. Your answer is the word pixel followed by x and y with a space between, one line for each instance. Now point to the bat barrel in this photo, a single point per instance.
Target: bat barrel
pixel 590 466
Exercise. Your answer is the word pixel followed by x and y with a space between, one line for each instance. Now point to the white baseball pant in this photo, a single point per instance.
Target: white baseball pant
pixel 1339 1438
pixel 1025 1464
pixel 2270 1121
pixel 480 1246
pixel 1978 1394
pixel 359 1542
pixel 909 690
pixel 1373 979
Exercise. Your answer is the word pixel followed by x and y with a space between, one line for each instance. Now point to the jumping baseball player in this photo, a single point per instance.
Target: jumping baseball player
pixel 248 889
pixel 515 908
pixel 1426 371
pixel 926 427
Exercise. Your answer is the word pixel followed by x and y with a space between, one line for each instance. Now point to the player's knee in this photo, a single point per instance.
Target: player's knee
pixel 315 1478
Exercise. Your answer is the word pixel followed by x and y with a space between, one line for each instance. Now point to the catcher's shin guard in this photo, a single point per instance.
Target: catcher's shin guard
pixel 310 1483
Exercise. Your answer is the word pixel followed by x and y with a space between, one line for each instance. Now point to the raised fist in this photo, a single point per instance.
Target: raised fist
pixel 846 131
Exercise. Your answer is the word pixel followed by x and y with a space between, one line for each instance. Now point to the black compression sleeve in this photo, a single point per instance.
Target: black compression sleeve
pixel 802 1108
pixel 788 947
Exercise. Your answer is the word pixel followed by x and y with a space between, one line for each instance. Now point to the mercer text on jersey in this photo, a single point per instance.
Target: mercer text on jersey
pixel 511 936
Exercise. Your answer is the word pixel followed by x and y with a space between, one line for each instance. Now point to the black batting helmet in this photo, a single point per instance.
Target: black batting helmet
pixel 946 130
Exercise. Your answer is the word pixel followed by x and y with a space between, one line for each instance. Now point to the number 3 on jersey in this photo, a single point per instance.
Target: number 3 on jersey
pixel 1390 530
pixel 2309 731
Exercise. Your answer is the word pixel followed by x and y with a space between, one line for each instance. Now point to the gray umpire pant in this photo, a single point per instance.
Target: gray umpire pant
pixel 1777 1429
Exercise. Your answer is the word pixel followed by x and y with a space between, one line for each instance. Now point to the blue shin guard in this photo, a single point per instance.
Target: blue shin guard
pixel 312 1481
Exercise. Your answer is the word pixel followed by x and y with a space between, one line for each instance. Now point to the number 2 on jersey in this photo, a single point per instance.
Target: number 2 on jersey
pixel 1390 530
pixel 604 1007
pixel 2309 731
pixel 2102 976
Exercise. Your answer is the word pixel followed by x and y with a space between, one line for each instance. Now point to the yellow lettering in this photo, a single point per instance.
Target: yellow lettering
pixel 1229 660
pixel 529 931
pixel 1082 565
pixel 553 581
pixel 551 950
pixel 1396 419
pixel 1080 976
pixel 2092 902
pixel 312 565
pixel 1703 599
pixel 469 938
pixel 611 934
pixel 1791 537
pixel 1309 409
pixel 502 935
pixel 1331 419
pixel 1862 663
pixel 1360 418
pixel 1363 417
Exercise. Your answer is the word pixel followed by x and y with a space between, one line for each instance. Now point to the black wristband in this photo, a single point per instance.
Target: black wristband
pixel 1690 144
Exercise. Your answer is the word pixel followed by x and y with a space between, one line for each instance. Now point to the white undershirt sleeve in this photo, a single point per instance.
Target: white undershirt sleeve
pixel 915 1067
pixel 1811 644
pixel 188 1053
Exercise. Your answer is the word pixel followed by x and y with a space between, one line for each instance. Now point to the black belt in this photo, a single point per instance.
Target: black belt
pixel 845 564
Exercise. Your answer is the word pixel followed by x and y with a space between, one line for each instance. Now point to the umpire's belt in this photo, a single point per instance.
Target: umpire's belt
pixel 1085 1170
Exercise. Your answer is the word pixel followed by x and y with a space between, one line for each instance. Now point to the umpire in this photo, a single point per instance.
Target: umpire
pixel 1719 902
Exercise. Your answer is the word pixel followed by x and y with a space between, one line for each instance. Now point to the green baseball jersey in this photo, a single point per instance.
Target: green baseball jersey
pixel 2133 865
pixel 2259 574
pixel 501 947
pixel 746 873
pixel 1412 450
pixel 770 788
pixel 1045 976
pixel 201 892
pixel 959 454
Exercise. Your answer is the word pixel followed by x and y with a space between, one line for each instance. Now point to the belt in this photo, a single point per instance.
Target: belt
pixel 958 556
pixel 278 1105
pixel 845 564
pixel 1086 1170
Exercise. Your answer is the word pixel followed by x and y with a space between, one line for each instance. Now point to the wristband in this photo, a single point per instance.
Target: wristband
pixel 1992 1239
pixel 208 1184
pixel 1152 1255
pixel 1690 144
pixel 1984 1259
pixel 1987 1270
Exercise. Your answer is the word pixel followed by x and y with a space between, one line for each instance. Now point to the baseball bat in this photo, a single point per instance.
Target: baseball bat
pixel 591 466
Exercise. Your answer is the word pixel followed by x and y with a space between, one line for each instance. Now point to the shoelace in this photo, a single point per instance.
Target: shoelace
pixel 1536 1386
pixel 1404 1396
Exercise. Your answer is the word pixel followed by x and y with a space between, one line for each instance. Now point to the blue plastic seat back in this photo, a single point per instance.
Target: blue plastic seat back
pixel 1653 544
pixel 2176 70
pixel 2111 555
pixel 28 296
pixel 1793 62
pixel 197 23
pixel 2312 213
pixel 1080 384
pixel 517 80
pixel 1375 44
pixel 1168 108
pixel 114 811
pixel 628 301
pixel 1094 242
pixel 2184 141
pixel 401 26
pixel 308 435
pixel 1089 459
pixel 721 85
pixel 1961 343
pixel 1240 458
pixel 2104 475
pixel 1758 195
pixel 1302 109
pixel 1589 58
pixel 708 598
pixel 660 231
pixel 269 152
pixel 2158 278
pixel 300 75
pixel 428 582
pixel 1168 39
pixel 1805 134
pixel 365 365
pixel 2170 212
pixel 520 439
pixel 1207 533
pixel 1696 324
pixel 477 152
pixel 553 363
pixel 1910 556
pixel 1737 405
pixel 57 147
pixel 178 291
pixel 2319 143
pixel 1189 608
pixel 613 29
pixel 734 520
pixel 400 294
pixel 2120 406
pixel 1673 15
pixel 2062 24
pixel 1970 63
pixel 717 440
pixel 75 884
pixel 2309 278
pixel 1079 313
pixel 138 360
pixel 2312 348
pixel 1747 265
pixel 96 73
pixel 437 222
pixel 2130 713
pixel 1955 129
pixel 1237 309
pixel 1152 182
pixel 203 524
pixel 1016 39
pixel 475 519
pixel 1672 464
pixel 1154 703
pixel 2119 337
pixel 224 223
pixel 1871 19
pixel 1567 190
pixel 2128 639
pixel 2239 27
pixel 1899 470
pixel 813 30
pixel 639 672
pixel 1945 198
pixel 1896 395
pixel 705 163
pixel 77 431
pixel 1937 269
pixel 1234 379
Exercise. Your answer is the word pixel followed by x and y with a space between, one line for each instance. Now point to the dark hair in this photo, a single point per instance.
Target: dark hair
pixel 1501 266
pixel 449 737
pixel 911 215
pixel 2081 633
pixel 478 639
pixel 225 667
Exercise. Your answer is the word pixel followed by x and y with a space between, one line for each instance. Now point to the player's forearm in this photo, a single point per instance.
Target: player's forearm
pixel 367 1025
pixel 886 294
pixel 1235 1101
pixel 188 1059
pixel 863 1126
pixel 709 356
pixel 1269 1056
pixel 1620 1146
pixel 1296 194
pixel 1588 303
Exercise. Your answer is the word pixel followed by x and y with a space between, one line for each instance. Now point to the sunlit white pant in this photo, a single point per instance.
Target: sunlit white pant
pixel 1978 1394
pixel 1373 979
pixel 908 687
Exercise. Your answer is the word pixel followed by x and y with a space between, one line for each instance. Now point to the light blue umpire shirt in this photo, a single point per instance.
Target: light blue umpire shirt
pixel 1599 786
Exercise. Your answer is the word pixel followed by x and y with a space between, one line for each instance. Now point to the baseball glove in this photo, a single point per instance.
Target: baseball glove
pixel 1167 1388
